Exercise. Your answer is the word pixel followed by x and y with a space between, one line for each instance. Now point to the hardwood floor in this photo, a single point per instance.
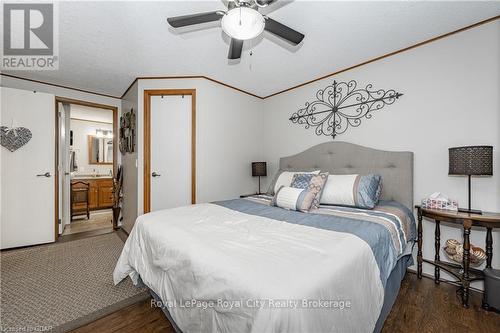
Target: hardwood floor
pixel 139 317
pixel 98 220
pixel 421 306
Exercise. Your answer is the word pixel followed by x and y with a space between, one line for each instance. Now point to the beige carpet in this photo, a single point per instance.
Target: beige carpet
pixel 61 286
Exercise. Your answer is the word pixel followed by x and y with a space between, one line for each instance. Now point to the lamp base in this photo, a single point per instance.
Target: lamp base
pixel 470 211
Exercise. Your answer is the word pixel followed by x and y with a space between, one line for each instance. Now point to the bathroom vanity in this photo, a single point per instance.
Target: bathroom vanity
pixel 100 193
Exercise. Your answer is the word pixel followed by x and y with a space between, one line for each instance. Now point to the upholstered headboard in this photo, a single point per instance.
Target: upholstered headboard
pixel 396 168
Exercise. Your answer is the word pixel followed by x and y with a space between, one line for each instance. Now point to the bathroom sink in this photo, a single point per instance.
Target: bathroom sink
pixel 90 176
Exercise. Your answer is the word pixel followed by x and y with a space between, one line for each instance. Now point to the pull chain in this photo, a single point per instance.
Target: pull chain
pixel 251 54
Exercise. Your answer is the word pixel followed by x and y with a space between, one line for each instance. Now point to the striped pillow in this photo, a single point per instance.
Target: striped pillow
pixel 293 198
pixel 361 191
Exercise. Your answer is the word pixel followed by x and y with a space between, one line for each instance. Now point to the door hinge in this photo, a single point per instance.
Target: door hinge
pixel 59 221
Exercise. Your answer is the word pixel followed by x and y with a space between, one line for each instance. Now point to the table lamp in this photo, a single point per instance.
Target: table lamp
pixel 471 161
pixel 259 169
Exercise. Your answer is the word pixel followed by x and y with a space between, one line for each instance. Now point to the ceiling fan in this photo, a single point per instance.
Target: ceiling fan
pixel 241 22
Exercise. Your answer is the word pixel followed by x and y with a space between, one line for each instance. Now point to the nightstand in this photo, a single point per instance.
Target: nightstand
pixel 249 195
pixel 463 273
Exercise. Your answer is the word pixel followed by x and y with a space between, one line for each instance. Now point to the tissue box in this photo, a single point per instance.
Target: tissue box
pixel 440 204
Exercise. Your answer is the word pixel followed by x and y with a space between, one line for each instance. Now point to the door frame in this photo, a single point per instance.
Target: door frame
pixel 147 141
pixel 58 100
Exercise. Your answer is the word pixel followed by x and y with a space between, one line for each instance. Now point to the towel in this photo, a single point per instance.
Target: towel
pixel 73 166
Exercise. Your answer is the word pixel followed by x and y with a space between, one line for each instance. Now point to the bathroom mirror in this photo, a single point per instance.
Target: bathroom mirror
pixel 100 150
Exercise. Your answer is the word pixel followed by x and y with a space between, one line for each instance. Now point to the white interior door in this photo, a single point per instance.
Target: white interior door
pixel 27 174
pixel 170 151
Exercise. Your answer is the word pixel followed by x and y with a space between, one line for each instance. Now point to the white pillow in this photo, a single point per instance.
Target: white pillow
pixel 288 197
pixel 338 190
pixel 362 191
pixel 285 178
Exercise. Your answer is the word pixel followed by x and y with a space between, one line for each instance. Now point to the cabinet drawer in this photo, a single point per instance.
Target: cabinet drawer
pixel 105 182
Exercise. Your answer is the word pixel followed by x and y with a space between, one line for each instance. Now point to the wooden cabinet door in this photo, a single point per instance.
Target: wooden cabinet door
pixel 100 193
pixel 93 196
pixel 105 196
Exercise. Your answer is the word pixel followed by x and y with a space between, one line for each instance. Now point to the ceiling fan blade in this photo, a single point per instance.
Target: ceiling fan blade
pixel 235 49
pixel 185 20
pixel 283 31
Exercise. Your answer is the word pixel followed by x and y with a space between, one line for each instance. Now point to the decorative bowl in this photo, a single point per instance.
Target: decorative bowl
pixel 455 251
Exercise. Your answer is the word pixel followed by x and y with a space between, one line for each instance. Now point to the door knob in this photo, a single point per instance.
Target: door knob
pixel 154 174
pixel 47 174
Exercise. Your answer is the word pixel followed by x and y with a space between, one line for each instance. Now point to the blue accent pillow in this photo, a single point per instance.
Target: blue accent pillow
pixel 369 190
pixel 301 180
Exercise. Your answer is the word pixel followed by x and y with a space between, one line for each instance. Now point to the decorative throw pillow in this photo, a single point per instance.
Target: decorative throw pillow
pixel 293 198
pixel 284 178
pixel 361 191
pixel 316 186
pixel 301 180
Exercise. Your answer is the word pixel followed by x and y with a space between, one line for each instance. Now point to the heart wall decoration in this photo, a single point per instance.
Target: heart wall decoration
pixel 14 138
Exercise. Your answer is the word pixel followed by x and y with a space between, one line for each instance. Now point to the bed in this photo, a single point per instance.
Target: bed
pixel 243 265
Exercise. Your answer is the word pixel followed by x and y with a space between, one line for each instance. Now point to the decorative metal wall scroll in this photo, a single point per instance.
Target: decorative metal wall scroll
pixel 127 132
pixel 14 138
pixel 342 105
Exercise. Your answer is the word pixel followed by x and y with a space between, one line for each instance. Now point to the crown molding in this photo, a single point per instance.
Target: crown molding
pixel 58 85
pixel 477 24
pixel 492 19
pixel 188 77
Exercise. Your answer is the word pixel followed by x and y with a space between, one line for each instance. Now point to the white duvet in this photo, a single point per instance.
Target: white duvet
pixel 219 270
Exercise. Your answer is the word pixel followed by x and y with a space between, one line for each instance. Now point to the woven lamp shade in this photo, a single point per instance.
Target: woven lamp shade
pixel 471 160
pixel 259 169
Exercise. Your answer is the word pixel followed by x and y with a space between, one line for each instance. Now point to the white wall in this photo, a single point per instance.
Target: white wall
pixel 228 138
pixel 90 113
pixel 451 98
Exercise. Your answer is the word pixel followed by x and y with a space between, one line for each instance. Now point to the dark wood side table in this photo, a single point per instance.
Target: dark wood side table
pixel 249 195
pixel 463 273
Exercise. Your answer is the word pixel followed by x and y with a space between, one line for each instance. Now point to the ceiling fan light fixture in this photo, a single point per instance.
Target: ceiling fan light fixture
pixel 243 23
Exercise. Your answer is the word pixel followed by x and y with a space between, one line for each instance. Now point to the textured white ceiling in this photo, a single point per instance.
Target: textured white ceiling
pixel 105 45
